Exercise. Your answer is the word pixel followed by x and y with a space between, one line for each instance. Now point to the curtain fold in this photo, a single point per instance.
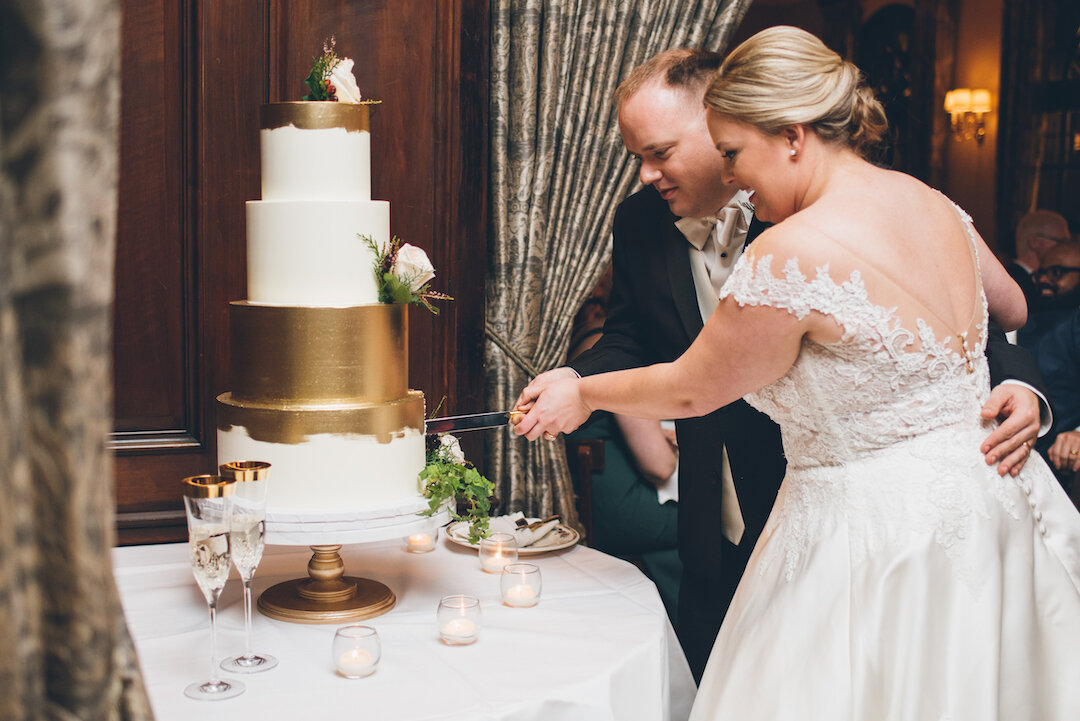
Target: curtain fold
pixel 558 171
pixel 65 652
pixel 1020 155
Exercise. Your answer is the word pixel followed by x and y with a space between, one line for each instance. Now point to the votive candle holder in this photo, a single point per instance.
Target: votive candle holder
pixel 421 541
pixel 496 551
pixel 458 619
pixel 356 650
pixel 520 585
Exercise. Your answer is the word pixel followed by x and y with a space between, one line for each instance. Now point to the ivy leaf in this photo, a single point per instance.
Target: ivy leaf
pixel 446 482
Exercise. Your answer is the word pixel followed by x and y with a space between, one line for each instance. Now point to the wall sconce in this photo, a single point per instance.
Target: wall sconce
pixel 966 108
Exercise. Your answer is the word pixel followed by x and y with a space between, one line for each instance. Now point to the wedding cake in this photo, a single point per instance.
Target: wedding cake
pixel 319 365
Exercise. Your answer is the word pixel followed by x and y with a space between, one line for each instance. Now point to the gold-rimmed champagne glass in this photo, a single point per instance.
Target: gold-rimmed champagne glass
pixel 206 502
pixel 247 532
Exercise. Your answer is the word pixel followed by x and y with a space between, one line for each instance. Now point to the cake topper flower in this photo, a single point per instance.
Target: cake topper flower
pixel 402 274
pixel 331 78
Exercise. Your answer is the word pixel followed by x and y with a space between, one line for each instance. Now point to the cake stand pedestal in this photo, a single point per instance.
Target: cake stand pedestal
pixel 327 595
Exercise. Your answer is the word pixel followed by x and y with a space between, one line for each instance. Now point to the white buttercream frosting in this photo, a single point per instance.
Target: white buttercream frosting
pixel 331 472
pixel 307 253
pixel 326 164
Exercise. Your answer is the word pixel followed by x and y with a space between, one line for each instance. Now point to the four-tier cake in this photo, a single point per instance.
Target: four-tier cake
pixel 319 365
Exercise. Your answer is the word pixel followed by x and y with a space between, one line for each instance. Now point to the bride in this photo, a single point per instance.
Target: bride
pixel 898 577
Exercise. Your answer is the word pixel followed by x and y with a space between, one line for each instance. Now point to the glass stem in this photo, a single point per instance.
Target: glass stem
pixel 248 653
pixel 213 644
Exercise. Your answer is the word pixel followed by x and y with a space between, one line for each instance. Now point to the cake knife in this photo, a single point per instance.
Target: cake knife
pixel 470 422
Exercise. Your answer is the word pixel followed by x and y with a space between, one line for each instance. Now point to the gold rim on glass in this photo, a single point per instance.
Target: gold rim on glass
pixel 242 471
pixel 208 485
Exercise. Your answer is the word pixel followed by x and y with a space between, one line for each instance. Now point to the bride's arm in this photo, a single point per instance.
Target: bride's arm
pixel 740 349
pixel 1003 296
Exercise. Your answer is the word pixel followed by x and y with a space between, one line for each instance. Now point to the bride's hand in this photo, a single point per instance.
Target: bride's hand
pixel 1011 442
pixel 554 406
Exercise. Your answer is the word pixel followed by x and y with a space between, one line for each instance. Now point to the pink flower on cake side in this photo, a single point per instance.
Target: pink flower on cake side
pixel 342 78
pixel 412 267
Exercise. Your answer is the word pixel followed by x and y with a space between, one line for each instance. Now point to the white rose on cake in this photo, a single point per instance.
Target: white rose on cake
pixel 451 449
pixel 412 267
pixel 342 79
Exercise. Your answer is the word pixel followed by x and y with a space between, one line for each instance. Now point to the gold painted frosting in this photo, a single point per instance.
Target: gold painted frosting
pixel 315 115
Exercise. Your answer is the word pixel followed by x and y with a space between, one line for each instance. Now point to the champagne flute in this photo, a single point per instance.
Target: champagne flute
pixel 206 501
pixel 247 533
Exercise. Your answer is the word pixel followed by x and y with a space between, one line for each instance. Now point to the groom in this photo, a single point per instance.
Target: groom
pixel 666 279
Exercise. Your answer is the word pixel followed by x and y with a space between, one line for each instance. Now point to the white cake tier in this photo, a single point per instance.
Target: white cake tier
pixel 367 525
pixel 328 473
pixel 323 164
pixel 307 253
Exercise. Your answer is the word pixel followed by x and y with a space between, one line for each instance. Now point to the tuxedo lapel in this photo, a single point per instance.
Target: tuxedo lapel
pixel 677 254
pixel 756 228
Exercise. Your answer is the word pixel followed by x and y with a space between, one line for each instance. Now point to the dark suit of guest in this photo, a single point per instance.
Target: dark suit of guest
pixel 653 317
pixel 1058 355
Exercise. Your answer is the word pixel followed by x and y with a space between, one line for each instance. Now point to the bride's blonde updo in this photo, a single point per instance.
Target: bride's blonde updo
pixel 785 76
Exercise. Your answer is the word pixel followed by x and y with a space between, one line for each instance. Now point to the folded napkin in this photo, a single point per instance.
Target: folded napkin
pixel 535 537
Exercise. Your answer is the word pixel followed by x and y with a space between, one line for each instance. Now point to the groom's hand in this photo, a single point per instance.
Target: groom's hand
pixel 1011 442
pixel 553 405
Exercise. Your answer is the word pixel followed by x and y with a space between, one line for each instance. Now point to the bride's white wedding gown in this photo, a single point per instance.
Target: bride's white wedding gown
pixel 899 576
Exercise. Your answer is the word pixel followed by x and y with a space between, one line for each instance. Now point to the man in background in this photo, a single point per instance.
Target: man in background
pixel 1036 234
pixel 1057 293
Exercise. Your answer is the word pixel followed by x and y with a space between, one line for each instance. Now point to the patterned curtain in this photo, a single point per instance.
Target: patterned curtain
pixel 1040 62
pixel 64 648
pixel 558 171
pixel 1021 150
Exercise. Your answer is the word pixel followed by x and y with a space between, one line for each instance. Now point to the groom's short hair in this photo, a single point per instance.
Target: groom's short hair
pixel 688 68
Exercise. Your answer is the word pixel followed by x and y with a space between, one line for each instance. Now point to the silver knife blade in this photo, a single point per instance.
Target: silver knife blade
pixel 469 422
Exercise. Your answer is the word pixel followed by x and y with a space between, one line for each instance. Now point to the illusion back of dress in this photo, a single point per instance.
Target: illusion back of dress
pixel 879 385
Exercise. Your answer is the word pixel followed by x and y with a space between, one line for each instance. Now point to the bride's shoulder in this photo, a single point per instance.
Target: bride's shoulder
pixel 801 239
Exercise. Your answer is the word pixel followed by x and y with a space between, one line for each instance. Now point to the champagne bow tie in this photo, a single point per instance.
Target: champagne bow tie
pixel 729 221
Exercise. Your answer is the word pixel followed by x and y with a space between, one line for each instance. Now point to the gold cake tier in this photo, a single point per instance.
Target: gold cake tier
pixel 289 423
pixel 300 356
pixel 308 115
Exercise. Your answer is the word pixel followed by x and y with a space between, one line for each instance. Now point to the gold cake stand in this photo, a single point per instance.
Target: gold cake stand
pixel 327 595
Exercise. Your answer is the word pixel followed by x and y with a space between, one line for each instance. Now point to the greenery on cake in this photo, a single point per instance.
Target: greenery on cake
pixel 331 78
pixel 451 481
pixel 402 274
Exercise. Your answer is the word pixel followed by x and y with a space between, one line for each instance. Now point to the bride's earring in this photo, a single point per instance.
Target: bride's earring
pixel 793 152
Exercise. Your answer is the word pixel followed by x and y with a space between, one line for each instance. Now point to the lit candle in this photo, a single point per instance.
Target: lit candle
pixel 355 662
pixel 496 562
pixel 420 543
pixel 520 595
pixel 459 629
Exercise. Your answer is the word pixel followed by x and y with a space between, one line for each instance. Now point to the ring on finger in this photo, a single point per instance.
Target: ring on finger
pixel 550 436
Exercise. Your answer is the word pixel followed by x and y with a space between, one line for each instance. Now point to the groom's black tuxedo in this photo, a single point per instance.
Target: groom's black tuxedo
pixel 653 317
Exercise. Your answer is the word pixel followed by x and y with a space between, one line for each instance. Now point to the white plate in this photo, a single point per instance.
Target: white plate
pixel 458 532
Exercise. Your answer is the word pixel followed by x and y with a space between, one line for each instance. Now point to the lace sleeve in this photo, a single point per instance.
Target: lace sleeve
pixel 752 282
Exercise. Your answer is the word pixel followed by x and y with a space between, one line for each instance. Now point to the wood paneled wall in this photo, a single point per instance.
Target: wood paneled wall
pixel 193 77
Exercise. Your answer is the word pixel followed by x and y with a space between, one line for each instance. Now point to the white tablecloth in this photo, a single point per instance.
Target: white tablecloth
pixel 598 645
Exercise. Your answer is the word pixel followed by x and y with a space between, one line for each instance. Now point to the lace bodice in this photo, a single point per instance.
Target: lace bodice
pixel 881 428
pixel 873 388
